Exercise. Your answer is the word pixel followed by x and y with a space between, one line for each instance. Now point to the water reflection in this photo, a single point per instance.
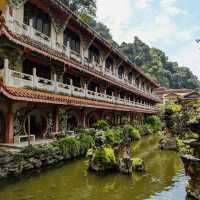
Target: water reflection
pixel 164 179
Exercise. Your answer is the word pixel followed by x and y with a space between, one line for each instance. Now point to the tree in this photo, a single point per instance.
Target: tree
pixel 155 63
pixel 85 8
pixel 152 60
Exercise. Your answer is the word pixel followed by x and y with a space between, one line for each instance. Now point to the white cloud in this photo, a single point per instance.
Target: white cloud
pixel 189 56
pixel 169 7
pixel 143 4
pixel 115 14
pixel 161 29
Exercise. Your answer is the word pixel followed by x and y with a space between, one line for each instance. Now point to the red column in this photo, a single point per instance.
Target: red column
pixel 83 118
pixel 9 125
pixel 56 120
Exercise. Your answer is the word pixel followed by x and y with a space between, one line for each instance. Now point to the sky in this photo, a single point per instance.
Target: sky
pixel 170 25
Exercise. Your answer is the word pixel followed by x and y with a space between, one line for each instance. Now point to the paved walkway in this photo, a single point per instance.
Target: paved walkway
pixel 19 147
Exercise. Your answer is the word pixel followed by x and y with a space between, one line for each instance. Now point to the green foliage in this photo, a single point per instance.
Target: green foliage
pixel 155 63
pixel 133 132
pixel 85 8
pixel 136 162
pixel 113 136
pixel 70 146
pixel 105 155
pixel 154 123
pixel 174 107
pixel 183 148
pixel 101 124
pixel 86 142
pixel 102 29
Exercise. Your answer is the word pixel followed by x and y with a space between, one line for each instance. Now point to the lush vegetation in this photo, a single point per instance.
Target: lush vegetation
pixel 85 8
pixel 182 121
pixel 72 147
pixel 101 124
pixel 152 60
pixel 155 63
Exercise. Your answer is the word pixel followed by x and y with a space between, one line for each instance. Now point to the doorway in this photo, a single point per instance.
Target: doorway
pixel 38 125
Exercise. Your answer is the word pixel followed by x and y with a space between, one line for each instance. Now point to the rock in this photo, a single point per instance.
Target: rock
pixel 168 143
pixel 102 159
pixel 100 138
pixel 5 159
pixel 3 173
pixel 138 165
pixel 192 168
pixel 125 165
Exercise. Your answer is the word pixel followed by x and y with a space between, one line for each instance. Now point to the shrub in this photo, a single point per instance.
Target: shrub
pixel 90 131
pixel 148 129
pixel 153 123
pixel 70 146
pixel 110 139
pixel 101 124
pixel 134 133
pixel 86 142
pixel 182 147
pixel 105 156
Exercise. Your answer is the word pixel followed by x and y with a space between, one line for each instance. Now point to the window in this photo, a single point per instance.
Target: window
pixel 73 39
pixel 121 72
pixel 43 71
pixel 41 20
pixel 75 80
pixel 93 87
pixel 94 52
pixel 109 63
pixel 109 91
pixel 130 77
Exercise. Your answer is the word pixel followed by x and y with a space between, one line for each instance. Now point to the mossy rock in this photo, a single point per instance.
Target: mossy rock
pixel 138 165
pixel 102 159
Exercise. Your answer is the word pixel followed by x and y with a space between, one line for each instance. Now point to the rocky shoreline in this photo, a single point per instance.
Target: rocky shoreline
pixel 38 158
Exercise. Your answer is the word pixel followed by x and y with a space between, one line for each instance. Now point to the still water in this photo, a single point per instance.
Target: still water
pixel 164 180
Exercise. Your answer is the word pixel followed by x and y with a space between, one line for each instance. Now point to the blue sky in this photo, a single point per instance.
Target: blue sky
pixel 171 25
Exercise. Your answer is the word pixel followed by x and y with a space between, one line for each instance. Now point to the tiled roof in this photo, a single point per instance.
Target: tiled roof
pixel 21 94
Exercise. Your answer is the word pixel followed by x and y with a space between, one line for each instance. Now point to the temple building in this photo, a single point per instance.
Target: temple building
pixel 173 95
pixel 56 74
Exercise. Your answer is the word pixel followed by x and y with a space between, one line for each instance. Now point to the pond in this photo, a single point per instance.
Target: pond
pixel 164 180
